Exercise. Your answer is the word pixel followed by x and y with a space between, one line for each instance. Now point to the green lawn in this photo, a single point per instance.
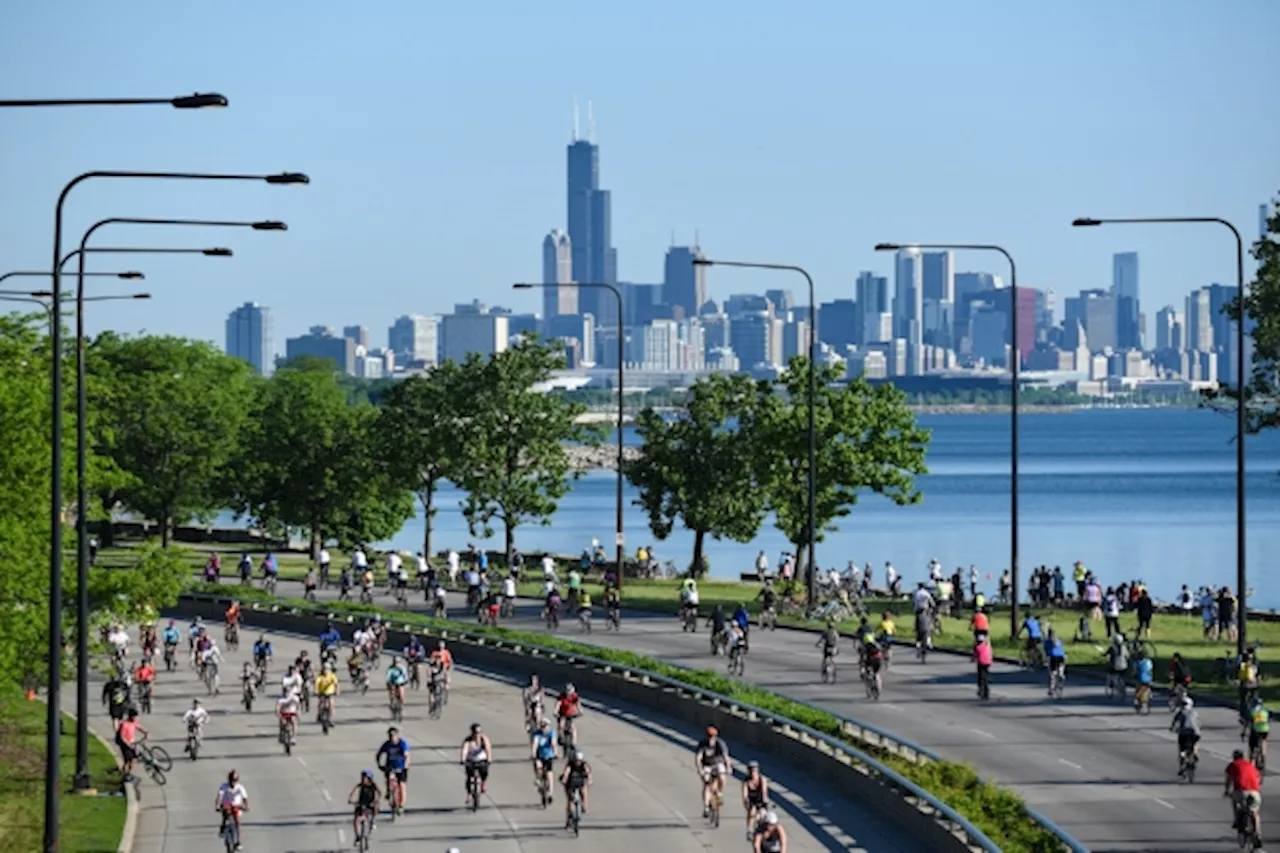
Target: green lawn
pixel 88 824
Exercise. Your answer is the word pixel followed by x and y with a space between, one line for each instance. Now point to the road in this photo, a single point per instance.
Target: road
pixel 644 796
pixel 1105 775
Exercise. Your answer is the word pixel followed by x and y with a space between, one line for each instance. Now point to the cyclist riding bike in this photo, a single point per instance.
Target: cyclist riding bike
pixel 543 752
pixel 1179 673
pixel 1117 664
pixel 287 708
pixel 327 690
pixel 755 796
pixel 1259 727
pixel 768 602
pixel 1186 722
pixel 1143 675
pixel 397 678
pixel 262 652
pixel 576 778
pixel 1035 636
pixel 475 755
pixel 612 603
pixel 144 677
pixel 291 681
pixel 365 796
pixel 1244 786
pixel 568 709
pixel 742 618
pixel 531 699
pixel 717 621
pixel 771 838
pixel 393 759
pixel 886 630
pixel 689 600
pixel 330 639
pixel 1056 654
pixel 195 718
pixel 711 761
pixel 830 642
pixel 443 658
pixel 171 637
pixel 872 661
pixel 232 616
pixel 230 801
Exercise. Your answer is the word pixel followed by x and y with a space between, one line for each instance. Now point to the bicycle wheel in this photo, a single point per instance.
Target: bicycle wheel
pixel 160 757
pixel 156 774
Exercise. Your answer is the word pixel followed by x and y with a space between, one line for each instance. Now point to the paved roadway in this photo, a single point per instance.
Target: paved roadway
pixel 644 797
pixel 1105 775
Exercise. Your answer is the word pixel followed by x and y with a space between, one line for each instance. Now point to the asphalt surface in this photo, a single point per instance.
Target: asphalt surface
pixel 1107 776
pixel 644 797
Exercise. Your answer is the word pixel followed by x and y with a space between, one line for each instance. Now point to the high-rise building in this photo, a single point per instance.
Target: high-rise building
pixel 1199 321
pixel 684 283
pixel 908 305
pixel 938 276
pixel 750 336
pixel 1168 328
pixel 413 338
pixel 557 269
pixel 590 227
pixel 321 342
pixel 1124 290
pixel 574 330
pixel 1096 312
pixel 871 293
pixel 840 323
pixel 359 334
pixel 480 332
pixel 250 337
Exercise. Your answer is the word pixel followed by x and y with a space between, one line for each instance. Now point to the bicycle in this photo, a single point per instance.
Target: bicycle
pixel 435 700
pixel 415 675
pixel 508 609
pixel 1246 836
pixel 397 707
pixel 209 675
pixel 144 697
pixel 584 620
pixel 552 617
pixel 229 831
pixel 269 584
pixel 614 617
pixel 393 792
pixel 1258 757
pixel 1032 658
pixel 473 786
pixel 828 669
pixel 324 715
pixel 193 741
pixel 1057 678
pixel 402 597
pixel 364 829
pixel 873 686
pixel 155 760
pixel 540 782
pixel 286 737
pixel 366 595
pixel 1187 765
pixel 1142 699
pixel 170 657
pixel 1115 685
pixel 713 809
pixel 737 661
pixel 768 619
pixel 232 637
pixel 575 811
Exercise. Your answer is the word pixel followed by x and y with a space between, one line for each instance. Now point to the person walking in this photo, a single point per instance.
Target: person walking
pixel 984 656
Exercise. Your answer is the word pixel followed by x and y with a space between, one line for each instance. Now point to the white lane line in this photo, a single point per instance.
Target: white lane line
pixel 681 817
pixel 1070 763
pixel 984 734
pixel 632 777
pixel 1167 805
pixel 891 706
pixel 300 761
pixel 342 837
pixel 327 797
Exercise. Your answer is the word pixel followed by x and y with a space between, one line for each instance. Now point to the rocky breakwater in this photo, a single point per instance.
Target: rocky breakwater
pixel 583 458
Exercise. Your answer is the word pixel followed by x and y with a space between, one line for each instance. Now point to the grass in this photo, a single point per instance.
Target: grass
pixel 999 813
pixel 86 824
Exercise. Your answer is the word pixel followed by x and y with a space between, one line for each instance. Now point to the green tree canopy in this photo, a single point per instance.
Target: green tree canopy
pixel 418 435
pixel 512 461
pixel 696 468
pixel 1262 307
pixel 868 440
pixel 175 409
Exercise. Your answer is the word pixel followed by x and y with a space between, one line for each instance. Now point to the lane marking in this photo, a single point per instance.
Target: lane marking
pixel 1070 763
pixel 327 798
pixel 682 818
pixel 891 706
pixel 342 837
pixel 984 734
pixel 1167 805
pixel 632 777
pixel 300 761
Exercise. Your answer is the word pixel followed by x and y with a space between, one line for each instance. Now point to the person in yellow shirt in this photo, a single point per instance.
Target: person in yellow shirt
pixel 327 690
pixel 887 625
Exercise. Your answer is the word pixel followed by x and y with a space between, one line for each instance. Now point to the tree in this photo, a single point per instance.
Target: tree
pixel 308 460
pixel 512 462
pixel 868 440
pixel 697 468
pixel 175 411
pixel 418 428
pixel 1262 307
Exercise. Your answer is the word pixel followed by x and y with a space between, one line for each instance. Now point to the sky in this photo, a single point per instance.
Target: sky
pixel 801 133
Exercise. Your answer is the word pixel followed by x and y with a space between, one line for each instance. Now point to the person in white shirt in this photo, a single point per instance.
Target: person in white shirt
pixel 359 561
pixel 935 570
pixel 762 564
pixel 423 565
pixel 548 568
pixel 890 574
pixel 362 639
pixel 833 577
pixel 442 600
pixel 287 707
pixel 453 563
pixel 291 682
pixel 393 565
pixel 119 640
pixel 195 718
pixel 973 581
pixel 922 600
pixel 509 590
pixel 232 799
pixel 211 659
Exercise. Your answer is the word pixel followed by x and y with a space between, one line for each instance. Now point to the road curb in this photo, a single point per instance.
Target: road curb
pixel 130 794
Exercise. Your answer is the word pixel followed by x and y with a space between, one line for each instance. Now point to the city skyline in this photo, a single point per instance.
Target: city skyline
pixel 757 161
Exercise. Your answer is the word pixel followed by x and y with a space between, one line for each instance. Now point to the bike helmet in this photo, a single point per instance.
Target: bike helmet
pixel 569 688
pixel 579 755
pixel 753 765
pixel 545 724
pixel 475 728
pixel 1238 754
pixel 1188 702
pixel 771 818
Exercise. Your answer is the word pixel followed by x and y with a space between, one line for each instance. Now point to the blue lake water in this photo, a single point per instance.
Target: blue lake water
pixel 1134 493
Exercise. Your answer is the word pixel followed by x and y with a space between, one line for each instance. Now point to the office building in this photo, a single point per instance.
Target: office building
pixel 1199 321
pixel 557 270
pixel 871 293
pixel 464 333
pixel 840 323
pixel 414 340
pixel 573 330
pixel 593 256
pixel 1169 328
pixel 1095 310
pixel 1124 291
pixel 359 334
pixel 684 284
pixel 321 342
pixel 908 305
pixel 750 338
pixel 250 337
pixel 939 286
pixel 783 301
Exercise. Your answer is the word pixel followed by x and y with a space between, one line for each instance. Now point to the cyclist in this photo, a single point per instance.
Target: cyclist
pixel 327 690
pixel 291 681
pixel 248 680
pixel 171 636
pixel 755 796
pixel 742 617
pixel 232 615
pixel 230 801
pixel 115 695
pixel 396 680
pixel 576 777
pixel 127 740
pixel 203 643
pixel 392 759
pixel 1259 727
pixel 613 604
pixel 1056 654
pixel 768 601
pixel 1187 723
pixel 543 752
pixel 1035 636
pixel 532 698
pixel 1244 785
pixel 830 642
pixel 772 838
pixel 584 604
pixel 262 651
pixel 568 709
pixel 364 796
pixel 414 655
pixel 1179 673
pixel 1247 678
pixel 475 754
pixel 194 630
pixel 144 676
pixel 887 628
pixel 443 658
pixel 330 638
pixel 1144 674
pixel 287 707
pixel 872 661
pixel 924 630
pixel 711 760
pixel 689 600
pixel 195 718
pixel 717 621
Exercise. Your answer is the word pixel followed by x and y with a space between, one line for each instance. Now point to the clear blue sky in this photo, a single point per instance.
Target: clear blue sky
pixel 802 132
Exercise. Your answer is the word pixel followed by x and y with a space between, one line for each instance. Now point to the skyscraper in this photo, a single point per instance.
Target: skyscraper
pixel 1124 291
pixel 249 337
pixel 683 282
pixel 871 292
pixel 938 276
pixel 1199 321
pixel 908 305
pixel 359 334
pixel 590 227
pixel 413 338
pixel 557 269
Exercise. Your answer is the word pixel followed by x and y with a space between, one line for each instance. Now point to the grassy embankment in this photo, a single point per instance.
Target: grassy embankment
pixel 998 812
pixel 1171 633
pixel 87 824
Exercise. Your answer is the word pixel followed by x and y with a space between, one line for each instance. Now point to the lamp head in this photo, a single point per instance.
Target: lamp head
pixel 522 285
pixel 132 275
pixel 217 253
pixel 888 247
pixel 141 296
pixel 703 262
pixel 42 294
pixel 270 225
pixel 199 101
pixel 288 178
pixel 1085 222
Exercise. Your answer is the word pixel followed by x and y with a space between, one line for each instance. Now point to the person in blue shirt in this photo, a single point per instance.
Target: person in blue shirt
pixel 1144 674
pixel 742 617
pixel 543 752
pixel 330 638
pixel 171 634
pixel 262 651
pixel 393 760
pixel 1034 635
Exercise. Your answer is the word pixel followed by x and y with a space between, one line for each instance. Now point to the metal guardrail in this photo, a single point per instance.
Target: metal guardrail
pixel 850 727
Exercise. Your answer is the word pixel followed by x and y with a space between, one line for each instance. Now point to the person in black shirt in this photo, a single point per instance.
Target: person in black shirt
pixel 365 798
pixel 575 777
pixel 711 760
pixel 115 695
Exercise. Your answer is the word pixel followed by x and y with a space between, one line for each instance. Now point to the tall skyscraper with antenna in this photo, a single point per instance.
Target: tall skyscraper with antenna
pixel 590 229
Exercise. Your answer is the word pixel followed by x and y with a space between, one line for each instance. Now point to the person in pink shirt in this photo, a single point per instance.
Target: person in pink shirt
pixel 984 656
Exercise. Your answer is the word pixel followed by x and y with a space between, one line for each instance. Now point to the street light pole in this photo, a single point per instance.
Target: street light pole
pixel 183 102
pixel 1015 361
pixel 811 586
pixel 53 719
pixel 81 780
pixel 620 536
pixel 1242 417
pixel 130 275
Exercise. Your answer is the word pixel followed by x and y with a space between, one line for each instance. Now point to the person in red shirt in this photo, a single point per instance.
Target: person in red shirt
pixel 127 739
pixel 1244 783
pixel 981 625
pixel 568 709
pixel 143 676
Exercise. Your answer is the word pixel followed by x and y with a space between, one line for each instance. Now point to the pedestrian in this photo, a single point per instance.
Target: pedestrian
pixel 1145 608
pixel 984 656
pixel 1111 611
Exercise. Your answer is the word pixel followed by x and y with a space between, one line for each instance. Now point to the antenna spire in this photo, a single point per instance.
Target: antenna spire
pixel 591 125
pixel 575 120
pixel 697 241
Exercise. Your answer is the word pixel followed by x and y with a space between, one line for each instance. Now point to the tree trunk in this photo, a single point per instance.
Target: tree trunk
pixel 695 567
pixel 166 529
pixel 510 535
pixel 316 542
pixel 427 497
